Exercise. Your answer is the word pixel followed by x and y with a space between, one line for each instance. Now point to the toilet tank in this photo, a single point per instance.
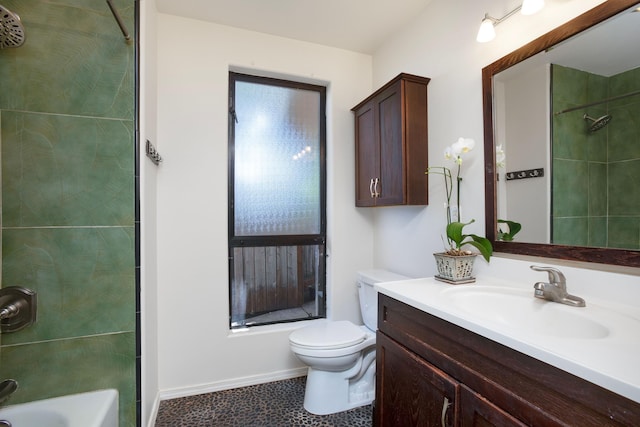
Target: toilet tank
pixel 369 296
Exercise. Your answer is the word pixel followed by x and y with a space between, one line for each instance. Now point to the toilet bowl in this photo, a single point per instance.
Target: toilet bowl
pixel 341 355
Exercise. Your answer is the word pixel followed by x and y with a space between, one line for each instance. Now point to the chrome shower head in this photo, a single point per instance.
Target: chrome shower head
pixel 11 29
pixel 599 123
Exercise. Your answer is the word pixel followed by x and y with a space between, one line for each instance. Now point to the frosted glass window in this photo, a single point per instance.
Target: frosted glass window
pixel 277 160
pixel 277 201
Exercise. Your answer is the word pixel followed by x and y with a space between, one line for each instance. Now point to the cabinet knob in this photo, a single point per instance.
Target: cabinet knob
pixel 376 193
pixel 371 188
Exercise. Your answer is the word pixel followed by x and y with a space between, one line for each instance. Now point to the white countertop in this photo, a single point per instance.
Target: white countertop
pixel 608 358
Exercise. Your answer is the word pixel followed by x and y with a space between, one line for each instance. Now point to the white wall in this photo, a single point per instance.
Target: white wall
pixel 440 44
pixel 196 350
pixel 527 146
pixel 148 206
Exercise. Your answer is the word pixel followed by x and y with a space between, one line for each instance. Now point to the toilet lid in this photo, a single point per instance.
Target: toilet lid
pixel 328 335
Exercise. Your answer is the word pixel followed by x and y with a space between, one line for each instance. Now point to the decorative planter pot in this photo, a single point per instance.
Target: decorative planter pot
pixel 455 269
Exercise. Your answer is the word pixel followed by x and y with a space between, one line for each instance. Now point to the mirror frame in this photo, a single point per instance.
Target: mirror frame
pixel 588 19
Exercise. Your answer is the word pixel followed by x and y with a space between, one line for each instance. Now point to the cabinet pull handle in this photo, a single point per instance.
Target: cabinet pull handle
pixel 375 187
pixel 445 407
pixel 371 188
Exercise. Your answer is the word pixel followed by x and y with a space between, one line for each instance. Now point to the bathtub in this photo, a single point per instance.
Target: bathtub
pixel 92 409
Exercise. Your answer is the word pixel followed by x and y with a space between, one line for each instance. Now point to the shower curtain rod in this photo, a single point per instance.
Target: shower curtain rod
pixel 591 104
pixel 116 15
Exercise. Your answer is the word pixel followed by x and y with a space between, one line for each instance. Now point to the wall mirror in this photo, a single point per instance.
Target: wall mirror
pixel 565 111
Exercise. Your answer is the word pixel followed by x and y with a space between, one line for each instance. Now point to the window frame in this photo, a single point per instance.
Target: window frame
pixel 319 239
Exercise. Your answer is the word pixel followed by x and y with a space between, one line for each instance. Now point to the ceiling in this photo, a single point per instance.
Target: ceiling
pixel 606 49
pixel 356 25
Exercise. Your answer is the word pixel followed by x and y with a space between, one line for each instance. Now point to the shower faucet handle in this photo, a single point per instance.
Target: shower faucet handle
pixel 18 308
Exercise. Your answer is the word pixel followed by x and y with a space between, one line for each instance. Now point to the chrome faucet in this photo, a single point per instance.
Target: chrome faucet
pixel 556 289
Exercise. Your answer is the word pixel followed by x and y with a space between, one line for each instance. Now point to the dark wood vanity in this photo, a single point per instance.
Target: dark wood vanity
pixel 433 373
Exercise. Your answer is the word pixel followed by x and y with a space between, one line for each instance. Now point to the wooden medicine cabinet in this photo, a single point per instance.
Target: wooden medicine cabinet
pixel 391 144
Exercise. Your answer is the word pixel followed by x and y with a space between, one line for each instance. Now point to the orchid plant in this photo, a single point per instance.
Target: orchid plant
pixel 454 230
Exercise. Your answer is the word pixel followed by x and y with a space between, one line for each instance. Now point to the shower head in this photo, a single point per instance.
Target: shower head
pixel 599 123
pixel 11 29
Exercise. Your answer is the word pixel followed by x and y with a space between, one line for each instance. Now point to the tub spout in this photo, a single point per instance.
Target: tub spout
pixel 7 388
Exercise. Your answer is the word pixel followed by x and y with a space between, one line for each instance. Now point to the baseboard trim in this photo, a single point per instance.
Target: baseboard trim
pixel 154 412
pixel 230 384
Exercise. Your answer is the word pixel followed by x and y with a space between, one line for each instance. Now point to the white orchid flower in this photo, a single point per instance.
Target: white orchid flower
pixel 448 153
pixel 453 152
pixel 463 145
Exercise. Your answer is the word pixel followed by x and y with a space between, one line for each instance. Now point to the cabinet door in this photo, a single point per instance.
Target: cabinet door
pixel 476 411
pixel 391 186
pixel 410 391
pixel 367 154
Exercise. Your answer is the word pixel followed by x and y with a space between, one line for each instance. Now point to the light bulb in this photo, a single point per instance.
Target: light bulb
pixel 529 7
pixel 486 32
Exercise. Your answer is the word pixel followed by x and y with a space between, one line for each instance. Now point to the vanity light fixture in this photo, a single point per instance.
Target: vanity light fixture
pixel 487 30
pixel 529 7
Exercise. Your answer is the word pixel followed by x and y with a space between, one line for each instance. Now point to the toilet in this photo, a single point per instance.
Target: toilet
pixel 341 356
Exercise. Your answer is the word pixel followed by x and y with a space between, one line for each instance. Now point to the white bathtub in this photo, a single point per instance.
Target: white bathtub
pixel 92 409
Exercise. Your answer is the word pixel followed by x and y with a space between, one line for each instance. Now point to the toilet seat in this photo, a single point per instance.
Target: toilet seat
pixel 328 335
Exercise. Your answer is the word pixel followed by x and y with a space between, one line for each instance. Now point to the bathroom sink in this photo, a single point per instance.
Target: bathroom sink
pixel 598 342
pixel 519 308
pixel 92 409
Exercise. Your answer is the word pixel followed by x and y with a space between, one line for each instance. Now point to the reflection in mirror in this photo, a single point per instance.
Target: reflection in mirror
pixel 564 111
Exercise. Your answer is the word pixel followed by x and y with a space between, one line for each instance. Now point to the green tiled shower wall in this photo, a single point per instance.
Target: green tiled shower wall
pixel 67 106
pixel 596 196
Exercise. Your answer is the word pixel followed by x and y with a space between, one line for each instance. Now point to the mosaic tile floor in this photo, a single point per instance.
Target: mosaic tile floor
pixel 276 404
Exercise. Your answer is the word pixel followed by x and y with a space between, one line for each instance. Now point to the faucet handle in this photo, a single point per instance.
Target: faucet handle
pixel 18 308
pixel 555 276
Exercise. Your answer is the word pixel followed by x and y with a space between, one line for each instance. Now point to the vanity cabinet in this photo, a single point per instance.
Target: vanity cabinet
pixel 408 378
pixel 428 368
pixel 391 144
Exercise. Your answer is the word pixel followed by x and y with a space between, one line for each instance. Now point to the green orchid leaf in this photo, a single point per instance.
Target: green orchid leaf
pixel 454 232
pixel 505 237
pixel 458 239
pixel 514 228
pixel 482 244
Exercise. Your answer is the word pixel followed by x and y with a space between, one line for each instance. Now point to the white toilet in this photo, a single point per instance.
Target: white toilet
pixel 341 356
